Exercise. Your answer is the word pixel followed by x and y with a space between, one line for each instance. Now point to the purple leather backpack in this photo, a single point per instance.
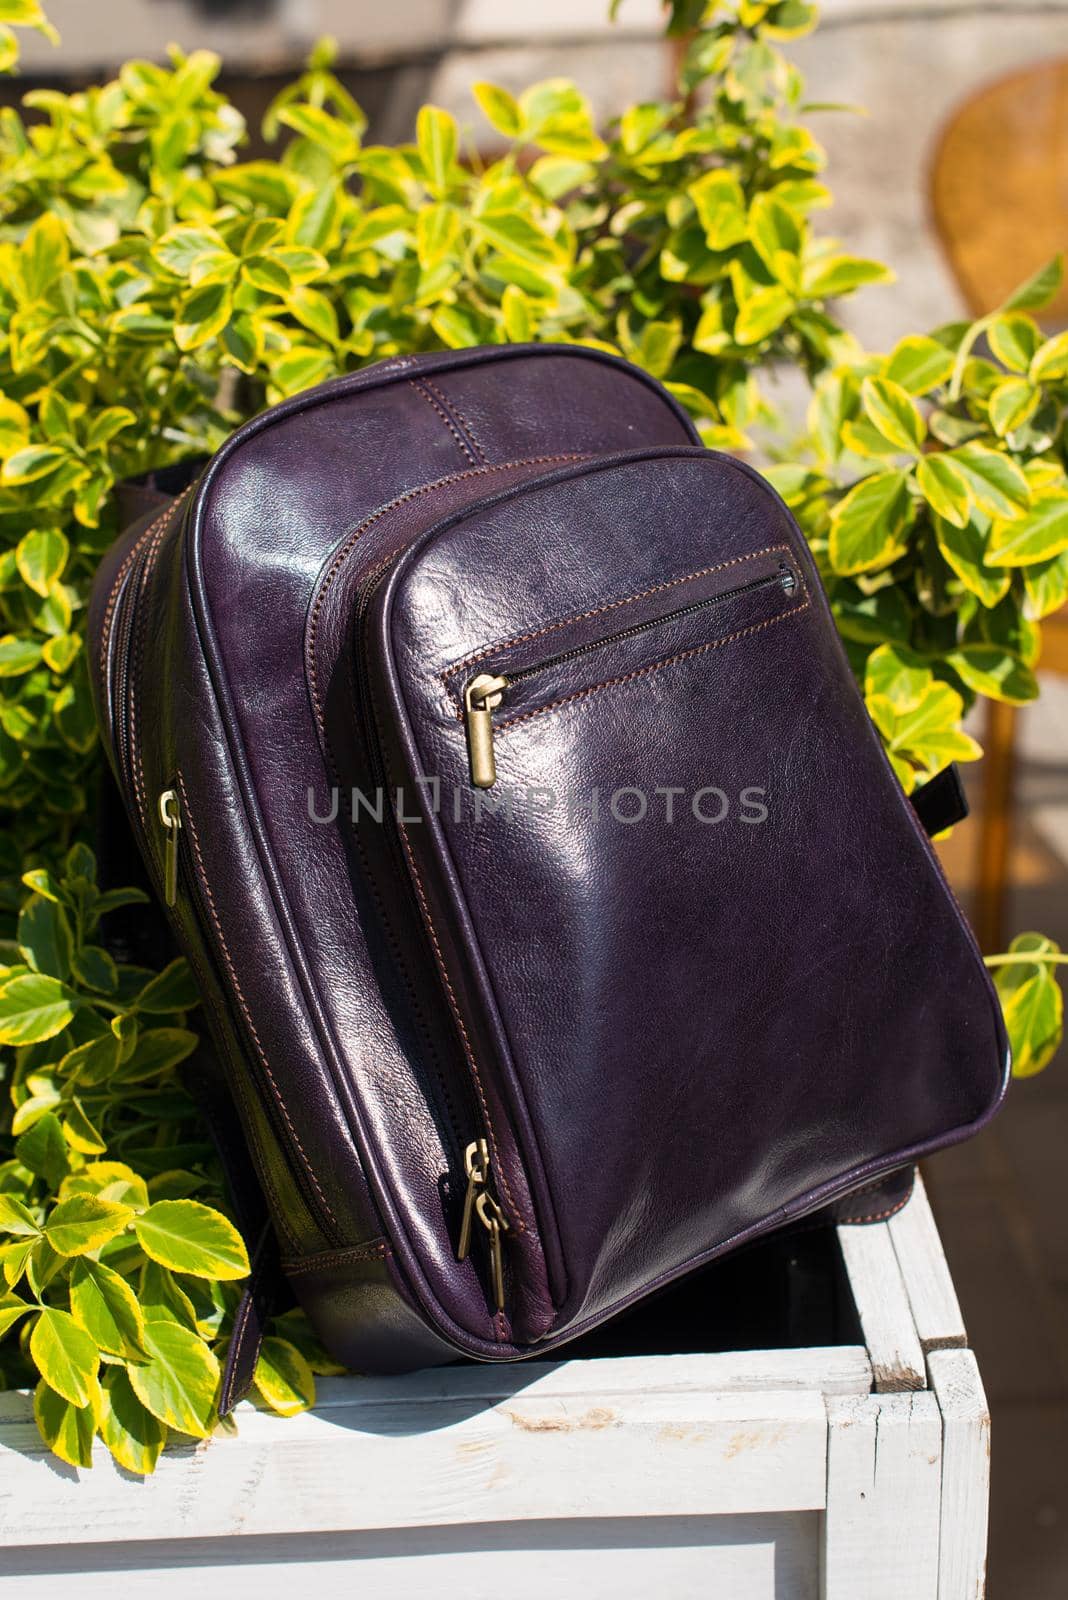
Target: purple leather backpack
pixel 559 921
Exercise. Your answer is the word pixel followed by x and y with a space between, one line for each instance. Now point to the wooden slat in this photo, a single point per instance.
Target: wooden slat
pixel 446 1461
pixel 830 1369
pixel 881 1526
pixel 933 1299
pixel 958 1389
pixel 678 1558
pixel 883 1307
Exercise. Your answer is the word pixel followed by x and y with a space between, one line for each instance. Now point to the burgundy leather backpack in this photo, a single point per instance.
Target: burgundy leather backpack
pixel 559 921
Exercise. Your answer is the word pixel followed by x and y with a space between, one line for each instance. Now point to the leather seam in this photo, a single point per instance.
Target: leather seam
pixel 598 611
pixel 138 651
pixel 238 1091
pixel 644 672
pixel 120 577
pixel 346 549
pixel 875 1216
pixel 450 404
pixel 337 1258
pixel 420 388
pixel 241 999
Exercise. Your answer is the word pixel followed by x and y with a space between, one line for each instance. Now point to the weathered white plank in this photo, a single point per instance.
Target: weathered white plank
pixel 883 1307
pixel 933 1299
pixel 439 1463
pixel 881 1526
pixel 682 1558
pixel 958 1389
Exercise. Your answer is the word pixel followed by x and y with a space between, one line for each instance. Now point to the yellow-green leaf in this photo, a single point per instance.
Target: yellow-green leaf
pixel 998 673
pixel 1034 1017
pixel 66 1429
pixel 84 1223
pixel 178 1382
pixel 919 364
pixel 870 523
pixel 499 108
pixel 720 202
pixel 16 1219
pixel 32 462
pixel 435 133
pixel 1040 534
pixel 283 1378
pixel 133 1435
pixel 12 1309
pixel 1014 339
pixel 995 483
pixel 945 488
pixel 189 1237
pixel 894 413
pixel 65 1356
pixel 1011 404
pixel 104 1305
pixel 33 1008
pixel 964 549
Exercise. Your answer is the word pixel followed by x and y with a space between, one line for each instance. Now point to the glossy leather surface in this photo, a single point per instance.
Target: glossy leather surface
pixel 682 1037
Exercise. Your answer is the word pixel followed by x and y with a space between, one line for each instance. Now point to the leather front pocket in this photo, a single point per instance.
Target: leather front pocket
pixel 667 925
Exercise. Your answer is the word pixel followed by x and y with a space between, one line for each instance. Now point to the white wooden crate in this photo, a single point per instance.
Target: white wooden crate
pixel 845 1473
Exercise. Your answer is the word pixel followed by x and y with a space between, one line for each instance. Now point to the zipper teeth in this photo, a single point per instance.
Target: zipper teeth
pixel 377 765
pixel 784 574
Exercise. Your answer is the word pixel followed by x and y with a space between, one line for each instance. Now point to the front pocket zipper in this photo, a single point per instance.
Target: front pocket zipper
pixel 480 1204
pixel 486 692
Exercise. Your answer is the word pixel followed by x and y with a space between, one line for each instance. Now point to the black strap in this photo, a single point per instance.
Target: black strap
pixel 941 801
pixel 265 1291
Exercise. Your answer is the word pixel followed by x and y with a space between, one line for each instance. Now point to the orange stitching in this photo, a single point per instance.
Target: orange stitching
pixel 337 1258
pixel 241 998
pixel 239 1092
pixel 131 555
pixel 597 611
pixel 458 414
pixel 446 419
pixel 643 672
pixel 879 1216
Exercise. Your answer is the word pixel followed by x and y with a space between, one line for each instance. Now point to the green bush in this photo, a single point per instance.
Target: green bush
pixel 156 289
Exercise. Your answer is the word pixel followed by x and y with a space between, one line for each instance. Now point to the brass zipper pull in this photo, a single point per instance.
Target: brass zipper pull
pixel 482 695
pixel 170 814
pixel 476 1165
pixel 495 1222
pixel 478 1202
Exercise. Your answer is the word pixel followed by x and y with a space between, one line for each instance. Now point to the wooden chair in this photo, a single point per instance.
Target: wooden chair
pixel 999 200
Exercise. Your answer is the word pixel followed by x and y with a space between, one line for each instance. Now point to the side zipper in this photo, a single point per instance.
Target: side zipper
pixel 485 693
pixel 480 1203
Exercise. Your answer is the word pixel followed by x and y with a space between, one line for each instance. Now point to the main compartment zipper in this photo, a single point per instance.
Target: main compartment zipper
pixel 485 692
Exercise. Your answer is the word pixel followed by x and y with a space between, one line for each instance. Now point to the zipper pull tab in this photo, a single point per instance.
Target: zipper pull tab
pixel 170 814
pixel 495 1222
pixel 476 1165
pixel 482 695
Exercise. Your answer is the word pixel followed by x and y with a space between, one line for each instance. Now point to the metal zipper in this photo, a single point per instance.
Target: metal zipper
pixel 485 693
pixel 480 1202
